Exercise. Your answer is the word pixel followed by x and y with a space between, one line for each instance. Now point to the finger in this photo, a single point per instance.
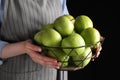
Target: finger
pixel 98 50
pixel 101 38
pixel 92 59
pixel 99 47
pixel 49 64
pixel 44 60
pixel 53 65
pixel 33 47
pixel 98 53
pixel 48 59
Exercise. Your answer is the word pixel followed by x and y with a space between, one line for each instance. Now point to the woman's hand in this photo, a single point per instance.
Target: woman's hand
pixel 27 47
pixel 96 51
pixel 34 52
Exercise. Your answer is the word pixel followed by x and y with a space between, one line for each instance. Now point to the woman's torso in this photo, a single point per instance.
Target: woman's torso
pixel 22 19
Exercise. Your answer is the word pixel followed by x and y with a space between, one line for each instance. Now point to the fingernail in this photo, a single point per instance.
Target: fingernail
pixel 58 67
pixel 39 50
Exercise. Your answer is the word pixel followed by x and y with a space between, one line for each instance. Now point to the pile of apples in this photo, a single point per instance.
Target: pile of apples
pixel 70 40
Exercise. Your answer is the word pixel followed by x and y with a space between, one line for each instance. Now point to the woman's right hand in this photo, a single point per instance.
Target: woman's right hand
pixel 19 48
pixel 34 52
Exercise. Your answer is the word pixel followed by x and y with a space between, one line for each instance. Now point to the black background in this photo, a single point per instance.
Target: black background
pixel 104 15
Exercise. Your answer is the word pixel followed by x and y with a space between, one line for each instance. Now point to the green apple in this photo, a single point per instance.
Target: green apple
pixel 37 37
pixel 46 26
pixel 83 59
pixel 82 22
pixel 74 44
pixel 70 17
pixel 59 55
pixel 64 25
pixel 50 37
pixel 91 36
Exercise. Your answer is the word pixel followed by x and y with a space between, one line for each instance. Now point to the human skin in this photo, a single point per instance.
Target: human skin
pixel 27 47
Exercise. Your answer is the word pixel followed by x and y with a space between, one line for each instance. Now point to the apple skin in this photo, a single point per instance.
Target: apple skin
pixel 72 41
pixel 48 37
pixel 72 19
pixel 49 25
pixel 64 25
pixel 59 55
pixel 91 36
pixel 37 37
pixel 83 59
pixel 82 22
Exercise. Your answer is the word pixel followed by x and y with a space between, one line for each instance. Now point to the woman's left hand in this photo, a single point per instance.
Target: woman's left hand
pixel 96 51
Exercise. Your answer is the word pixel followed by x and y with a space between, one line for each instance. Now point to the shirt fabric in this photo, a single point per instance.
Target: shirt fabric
pixel 2 43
